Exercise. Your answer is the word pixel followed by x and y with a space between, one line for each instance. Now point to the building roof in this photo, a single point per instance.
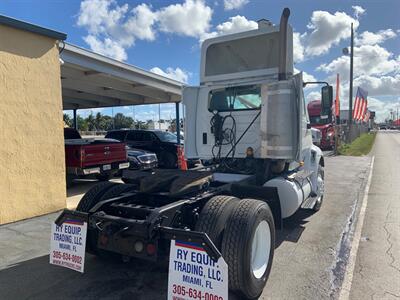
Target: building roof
pixel 4 20
pixel 91 80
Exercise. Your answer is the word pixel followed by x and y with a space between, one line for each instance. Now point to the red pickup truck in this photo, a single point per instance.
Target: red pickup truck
pixel 101 157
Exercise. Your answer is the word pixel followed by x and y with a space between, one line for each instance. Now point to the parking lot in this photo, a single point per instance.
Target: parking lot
pixel 308 262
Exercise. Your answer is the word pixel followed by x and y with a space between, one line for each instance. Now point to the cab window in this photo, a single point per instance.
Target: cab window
pixel 235 98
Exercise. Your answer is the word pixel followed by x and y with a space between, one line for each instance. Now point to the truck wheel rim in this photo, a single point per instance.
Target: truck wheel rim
pixel 260 249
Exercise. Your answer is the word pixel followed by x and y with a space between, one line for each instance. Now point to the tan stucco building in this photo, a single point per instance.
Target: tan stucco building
pixel 39 77
pixel 32 171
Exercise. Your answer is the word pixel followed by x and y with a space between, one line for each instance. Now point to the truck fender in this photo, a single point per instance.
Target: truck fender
pixel 316 158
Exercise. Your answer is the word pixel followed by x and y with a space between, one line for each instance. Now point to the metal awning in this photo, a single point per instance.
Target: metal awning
pixel 91 80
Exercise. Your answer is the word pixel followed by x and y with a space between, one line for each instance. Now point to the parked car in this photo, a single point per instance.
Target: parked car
pixel 141 159
pixel 101 157
pixel 163 143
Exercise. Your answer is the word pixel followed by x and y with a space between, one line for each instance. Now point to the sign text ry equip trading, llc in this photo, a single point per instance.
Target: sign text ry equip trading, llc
pixel 194 275
pixel 67 245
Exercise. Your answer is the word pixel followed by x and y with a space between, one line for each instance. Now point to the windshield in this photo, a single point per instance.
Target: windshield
pixel 316 120
pixel 235 98
pixel 166 136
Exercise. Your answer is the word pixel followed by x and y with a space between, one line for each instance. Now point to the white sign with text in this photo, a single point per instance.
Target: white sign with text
pixel 67 245
pixel 194 275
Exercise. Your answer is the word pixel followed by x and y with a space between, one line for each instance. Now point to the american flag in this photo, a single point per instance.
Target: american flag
pixel 360 105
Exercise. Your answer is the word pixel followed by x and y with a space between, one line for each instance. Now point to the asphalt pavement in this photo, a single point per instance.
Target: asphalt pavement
pixel 377 269
pixel 309 263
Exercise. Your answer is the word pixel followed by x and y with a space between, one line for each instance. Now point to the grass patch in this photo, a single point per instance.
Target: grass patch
pixel 360 146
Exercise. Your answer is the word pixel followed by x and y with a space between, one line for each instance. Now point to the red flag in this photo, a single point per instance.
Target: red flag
pixel 337 103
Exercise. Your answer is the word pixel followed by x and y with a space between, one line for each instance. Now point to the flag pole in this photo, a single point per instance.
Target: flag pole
pixel 351 82
pixel 337 115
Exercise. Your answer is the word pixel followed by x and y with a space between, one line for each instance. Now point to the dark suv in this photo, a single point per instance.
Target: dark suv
pixel 163 143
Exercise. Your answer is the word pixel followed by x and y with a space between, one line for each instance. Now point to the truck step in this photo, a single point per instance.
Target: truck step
pixel 309 203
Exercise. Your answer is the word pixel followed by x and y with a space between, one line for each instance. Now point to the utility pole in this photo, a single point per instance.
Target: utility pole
pixel 351 81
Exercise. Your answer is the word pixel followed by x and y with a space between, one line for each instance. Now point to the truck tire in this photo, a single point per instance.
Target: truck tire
pixel 213 217
pixel 248 247
pixel 116 190
pixel 93 196
pixel 321 188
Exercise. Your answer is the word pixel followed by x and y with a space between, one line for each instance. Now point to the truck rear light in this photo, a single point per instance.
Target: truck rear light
pixel 151 249
pixel 139 246
pixel 82 154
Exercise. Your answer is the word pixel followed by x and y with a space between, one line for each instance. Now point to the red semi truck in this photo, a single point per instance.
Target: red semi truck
pixel 102 158
pixel 324 124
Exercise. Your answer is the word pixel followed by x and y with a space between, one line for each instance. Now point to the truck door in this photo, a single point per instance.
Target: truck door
pixel 135 139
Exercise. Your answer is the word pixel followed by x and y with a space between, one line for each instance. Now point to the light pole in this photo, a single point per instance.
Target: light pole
pixel 346 52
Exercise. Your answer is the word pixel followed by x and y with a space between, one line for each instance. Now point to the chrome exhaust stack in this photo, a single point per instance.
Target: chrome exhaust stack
pixel 283 28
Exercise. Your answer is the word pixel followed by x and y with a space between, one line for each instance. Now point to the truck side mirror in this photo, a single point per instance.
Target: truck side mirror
pixel 326 100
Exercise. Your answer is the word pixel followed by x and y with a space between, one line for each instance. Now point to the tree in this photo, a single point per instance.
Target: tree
pixel 141 125
pixel 91 122
pixel 121 121
pixel 67 120
pixel 82 123
pixel 98 121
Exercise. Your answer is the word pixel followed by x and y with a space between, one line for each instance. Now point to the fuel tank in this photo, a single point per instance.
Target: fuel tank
pixel 291 193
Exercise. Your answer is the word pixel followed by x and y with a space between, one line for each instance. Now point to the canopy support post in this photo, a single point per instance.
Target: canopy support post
pixel 178 127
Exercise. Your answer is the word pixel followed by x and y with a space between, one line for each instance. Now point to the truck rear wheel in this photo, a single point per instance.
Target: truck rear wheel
pixel 248 247
pixel 93 196
pixel 214 215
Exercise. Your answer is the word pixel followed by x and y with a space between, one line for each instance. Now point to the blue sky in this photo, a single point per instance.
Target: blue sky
pixel 165 37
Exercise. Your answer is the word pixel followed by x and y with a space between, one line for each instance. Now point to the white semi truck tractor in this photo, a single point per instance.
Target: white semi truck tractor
pixel 248 123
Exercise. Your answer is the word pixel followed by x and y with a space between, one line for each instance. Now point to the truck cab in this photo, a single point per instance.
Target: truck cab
pixel 249 101
pixel 322 123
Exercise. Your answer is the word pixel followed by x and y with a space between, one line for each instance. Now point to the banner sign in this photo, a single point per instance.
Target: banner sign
pixel 67 244
pixel 194 275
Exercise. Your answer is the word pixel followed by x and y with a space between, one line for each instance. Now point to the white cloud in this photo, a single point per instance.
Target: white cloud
pixel 306 76
pixel 358 11
pixel 379 86
pixel 234 4
pixel 98 16
pixel 140 24
pixel 371 38
pixel 192 18
pixel 106 47
pixel 382 108
pixel 298 48
pixel 314 95
pixel 176 74
pixel 113 28
pixel 234 25
pixel 368 60
pixel 328 30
